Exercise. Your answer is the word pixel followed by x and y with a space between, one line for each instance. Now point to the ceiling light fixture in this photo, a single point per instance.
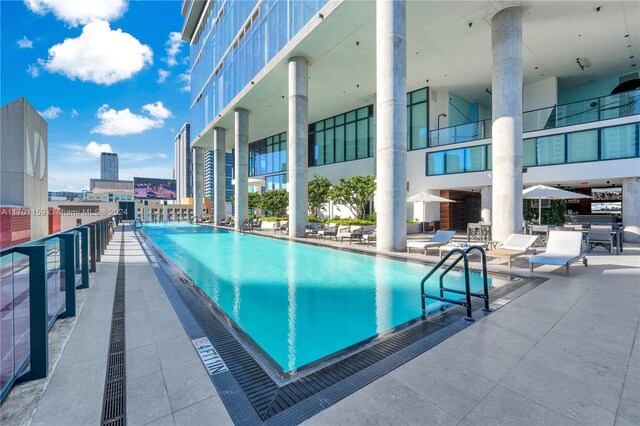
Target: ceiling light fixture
pixel 581 65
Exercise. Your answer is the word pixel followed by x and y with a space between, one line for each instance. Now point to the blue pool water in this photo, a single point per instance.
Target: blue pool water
pixel 298 302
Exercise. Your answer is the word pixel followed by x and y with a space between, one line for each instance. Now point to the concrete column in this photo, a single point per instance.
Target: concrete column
pixel 198 182
pixel 297 136
pixel 241 166
pixel 506 45
pixel 391 123
pixel 165 212
pixel 485 204
pixel 219 175
pixel 631 209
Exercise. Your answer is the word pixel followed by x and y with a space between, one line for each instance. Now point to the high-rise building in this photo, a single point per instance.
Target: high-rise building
pixel 183 165
pixel 469 100
pixel 109 166
pixel 208 175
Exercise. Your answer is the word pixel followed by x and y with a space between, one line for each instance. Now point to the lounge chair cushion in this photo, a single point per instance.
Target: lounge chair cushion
pixel 562 248
pixel 519 242
pixel 551 260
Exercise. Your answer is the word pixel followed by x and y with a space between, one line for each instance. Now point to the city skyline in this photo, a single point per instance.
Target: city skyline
pixel 130 96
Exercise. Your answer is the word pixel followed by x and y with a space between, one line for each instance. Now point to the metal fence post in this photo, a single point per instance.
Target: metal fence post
pixel 67 262
pixel 94 245
pixel 38 309
pixel 84 256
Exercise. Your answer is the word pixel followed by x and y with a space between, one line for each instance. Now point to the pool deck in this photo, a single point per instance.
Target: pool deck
pixel 566 352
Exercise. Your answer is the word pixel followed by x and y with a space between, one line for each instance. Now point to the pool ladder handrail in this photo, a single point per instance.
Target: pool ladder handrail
pixel 467 283
pixel 246 226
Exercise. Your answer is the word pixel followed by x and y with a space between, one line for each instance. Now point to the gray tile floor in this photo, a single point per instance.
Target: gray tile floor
pixel 564 353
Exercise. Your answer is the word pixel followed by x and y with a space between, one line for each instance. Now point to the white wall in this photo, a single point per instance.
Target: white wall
pixel 540 94
pixel 334 172
pixel 438 104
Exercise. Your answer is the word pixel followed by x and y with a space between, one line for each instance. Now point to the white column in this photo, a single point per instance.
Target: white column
pixel 198 182
pixel 219 175
pixel 631 209
pixel 506 44
pixel 241 166
pixel 297 136
pixel 165 212
pixel 391 122
pixel 485 204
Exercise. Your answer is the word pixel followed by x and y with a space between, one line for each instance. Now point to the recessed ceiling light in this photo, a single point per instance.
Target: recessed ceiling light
pixel 631 57
pixel 579 35
pixel 627 35
pixel 536 68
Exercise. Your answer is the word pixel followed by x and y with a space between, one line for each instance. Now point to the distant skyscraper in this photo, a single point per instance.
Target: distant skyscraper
pixel 183 166
pixel 109 166
pixel 208 175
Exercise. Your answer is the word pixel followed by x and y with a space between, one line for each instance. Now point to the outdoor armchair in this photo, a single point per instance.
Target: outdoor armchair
pixel 329 231
pixel 600 235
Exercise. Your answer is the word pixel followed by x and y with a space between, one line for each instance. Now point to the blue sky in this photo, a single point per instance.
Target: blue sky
pixel 106 75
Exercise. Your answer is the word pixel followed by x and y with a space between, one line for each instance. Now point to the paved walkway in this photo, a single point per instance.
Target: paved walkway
pixel 564 353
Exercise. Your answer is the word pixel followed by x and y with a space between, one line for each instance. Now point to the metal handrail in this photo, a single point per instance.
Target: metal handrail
pixel 485 281
pixel 467 292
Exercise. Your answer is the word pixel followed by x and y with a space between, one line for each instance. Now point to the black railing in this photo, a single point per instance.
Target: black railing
pixel 40 279
pixel 466 302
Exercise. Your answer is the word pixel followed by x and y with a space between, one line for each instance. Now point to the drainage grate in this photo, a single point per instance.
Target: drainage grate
pixel 114 406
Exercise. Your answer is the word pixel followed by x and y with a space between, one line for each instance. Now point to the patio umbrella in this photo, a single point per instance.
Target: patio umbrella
pixel 424 198
pixel 543 192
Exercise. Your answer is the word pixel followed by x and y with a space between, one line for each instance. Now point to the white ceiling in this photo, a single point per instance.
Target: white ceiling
pixel 443 52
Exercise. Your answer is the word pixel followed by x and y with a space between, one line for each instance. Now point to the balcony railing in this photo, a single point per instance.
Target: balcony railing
pixel 37 285
pixel 590 110
pixel 606 143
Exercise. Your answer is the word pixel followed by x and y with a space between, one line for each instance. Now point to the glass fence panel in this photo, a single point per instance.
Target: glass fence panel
pixel 78 258
pixel 538 119
pixel 476 160
pixel 529 152
pixel 620 105
pixel 7 337
pixel 577 112
pixel 54 283
pixel 21 303
pixel 619 142
pixel 582 146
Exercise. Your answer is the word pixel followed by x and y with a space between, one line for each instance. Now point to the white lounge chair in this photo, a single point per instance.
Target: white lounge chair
pixel 563 248
pixel 439 239
pixel 514 245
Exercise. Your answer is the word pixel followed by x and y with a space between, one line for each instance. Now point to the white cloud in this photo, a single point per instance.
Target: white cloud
pixel 124 122
pixel 141 156
pixel 172 47
pixel 157 110
pixel 163 75
pixel 25 43
pixel 50 113
pixel 33 70
pixel 99 55
pixel 74 113
pixel 186 79
pixel 79 12
pixel 94 149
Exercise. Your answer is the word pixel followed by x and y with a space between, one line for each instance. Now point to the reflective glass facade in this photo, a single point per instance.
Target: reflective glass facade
pixel 233 42
pixel 609 143
pixel 208 175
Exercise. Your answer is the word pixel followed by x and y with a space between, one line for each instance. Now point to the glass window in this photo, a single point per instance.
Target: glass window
pixel 550 150
pixel 372 137
pixel 339 156
pixel 489 157
pixel 454 161
pixel 582 146
pixel 419 126
pixel 435 163
pixel 476 160
pixel 351 116
pixel 319 151
pixel 350 141
pixel 619 142
pixel 419 96
pixel 529 152
pixel 363 113
pixel 339 119
pixel 328 146
pixel 328 122
pixel 363 138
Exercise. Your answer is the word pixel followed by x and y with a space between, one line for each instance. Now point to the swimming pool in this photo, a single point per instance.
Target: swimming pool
pixel 300 303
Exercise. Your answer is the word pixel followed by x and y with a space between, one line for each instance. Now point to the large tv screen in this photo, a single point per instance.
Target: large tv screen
pixel 154 189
